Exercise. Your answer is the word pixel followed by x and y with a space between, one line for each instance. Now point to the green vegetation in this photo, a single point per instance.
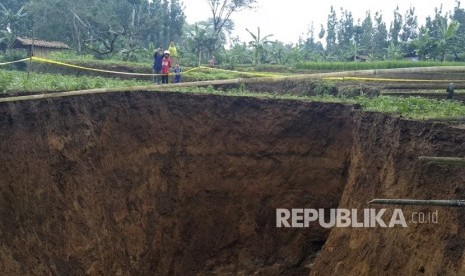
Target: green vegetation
pixel 388 64
pixel 409 107
pixel 15 81
pixel 413 107
pixel 130 30
pixel 324 91
pixel 90 60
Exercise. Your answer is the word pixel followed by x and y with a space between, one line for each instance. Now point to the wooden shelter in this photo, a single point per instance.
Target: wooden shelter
pixel 37 47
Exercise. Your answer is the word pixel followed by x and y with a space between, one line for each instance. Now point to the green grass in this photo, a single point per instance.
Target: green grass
pixel 17 81
pixel 411 107
pixel 89 59
pixel 203 74
pixel 389 64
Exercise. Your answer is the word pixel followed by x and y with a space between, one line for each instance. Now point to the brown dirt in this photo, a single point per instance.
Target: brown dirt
pixel 146 183
pixel 384 164
pixel 181 184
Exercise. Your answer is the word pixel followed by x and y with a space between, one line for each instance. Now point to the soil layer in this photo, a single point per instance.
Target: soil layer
pixel 166 183
pixel 182 184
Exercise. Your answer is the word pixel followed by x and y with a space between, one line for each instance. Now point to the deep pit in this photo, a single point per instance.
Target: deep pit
pixel 182 184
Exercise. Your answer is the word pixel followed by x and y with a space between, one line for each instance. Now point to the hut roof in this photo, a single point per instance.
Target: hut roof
pixel 22 42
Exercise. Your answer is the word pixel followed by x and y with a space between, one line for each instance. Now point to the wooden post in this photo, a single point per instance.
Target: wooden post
pixel 447 203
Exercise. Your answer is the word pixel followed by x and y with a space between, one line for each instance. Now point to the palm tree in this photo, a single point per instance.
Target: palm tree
pixel 258 44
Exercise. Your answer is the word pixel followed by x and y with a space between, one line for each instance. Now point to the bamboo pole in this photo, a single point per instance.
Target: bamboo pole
pixel 448 203
pixel 453 161
pixel 448 119
pixel 419 93
pixel 274 79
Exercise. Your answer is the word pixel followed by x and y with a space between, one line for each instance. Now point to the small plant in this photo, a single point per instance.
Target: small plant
pixel 325 88
pixel 5 80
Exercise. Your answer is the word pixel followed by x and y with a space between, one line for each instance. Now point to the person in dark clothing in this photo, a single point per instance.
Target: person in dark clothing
pixel 157 64
pixel 177 73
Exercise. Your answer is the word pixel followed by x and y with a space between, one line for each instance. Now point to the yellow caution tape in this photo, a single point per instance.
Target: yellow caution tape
pixel 16 61
pixel 44 60
pixel 38 59
pixel 240 72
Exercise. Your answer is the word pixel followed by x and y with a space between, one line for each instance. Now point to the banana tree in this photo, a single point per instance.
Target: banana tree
pixel 447 33
pixel 9 23
pixel 258 44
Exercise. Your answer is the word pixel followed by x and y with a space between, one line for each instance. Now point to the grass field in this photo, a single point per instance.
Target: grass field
pixel 12 82
pixel 389 64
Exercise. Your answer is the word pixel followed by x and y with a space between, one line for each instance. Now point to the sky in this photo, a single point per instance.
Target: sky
pixel 290 19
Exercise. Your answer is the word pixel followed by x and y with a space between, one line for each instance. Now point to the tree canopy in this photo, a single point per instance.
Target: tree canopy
pixel 125 28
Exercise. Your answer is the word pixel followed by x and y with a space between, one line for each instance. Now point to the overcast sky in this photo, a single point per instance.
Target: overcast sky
pixel 289 19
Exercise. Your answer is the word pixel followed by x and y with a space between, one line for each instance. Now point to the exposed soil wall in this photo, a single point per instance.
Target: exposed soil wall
pixel 385 165
pixel 166 184
pixel 180 184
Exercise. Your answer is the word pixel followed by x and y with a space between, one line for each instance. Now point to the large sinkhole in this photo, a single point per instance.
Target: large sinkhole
pixel 166 183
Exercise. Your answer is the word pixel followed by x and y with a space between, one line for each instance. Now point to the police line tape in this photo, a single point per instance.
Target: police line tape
pixel 254 74
pixel 12 62
pixel 44 60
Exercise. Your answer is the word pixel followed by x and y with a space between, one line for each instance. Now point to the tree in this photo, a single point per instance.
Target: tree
pixel 223 9
pixel 458 41
pixel 442 34
pixel 422 44
pixel 312 50
pixel 410 27
pixel 380 43
pixel 108 27
pixel 331 32
pixel 345 34
pixel 366 37
pixel 201 40
pixel 176 20
pixel 258 44
pixel 396 27
pixel 447 34
pixel 12 23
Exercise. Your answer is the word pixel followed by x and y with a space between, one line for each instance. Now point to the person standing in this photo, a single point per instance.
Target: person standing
pixel 157 62
pixel 177 73
pixel 165 67
pixel 173 53
pixel 212 62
